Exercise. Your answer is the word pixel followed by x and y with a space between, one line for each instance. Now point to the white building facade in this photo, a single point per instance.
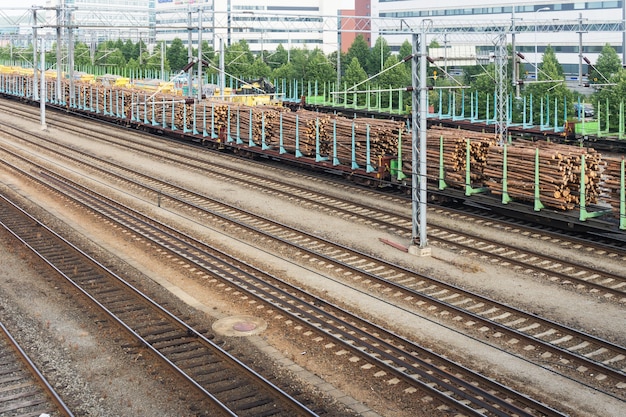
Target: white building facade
pixel 264 24
pixel 564 25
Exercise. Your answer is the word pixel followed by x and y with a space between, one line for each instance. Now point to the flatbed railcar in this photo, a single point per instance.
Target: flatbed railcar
pixel 196 121
pixel 566 134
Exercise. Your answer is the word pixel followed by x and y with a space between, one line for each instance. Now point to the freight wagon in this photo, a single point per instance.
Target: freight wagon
pixel 545 182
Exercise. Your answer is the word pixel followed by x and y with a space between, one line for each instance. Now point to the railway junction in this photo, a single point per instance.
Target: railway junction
pixel 146 275
pixel 161 180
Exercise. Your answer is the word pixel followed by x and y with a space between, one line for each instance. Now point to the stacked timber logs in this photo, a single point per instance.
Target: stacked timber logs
pixel 455 144
pixel 559 173
pixel 611 187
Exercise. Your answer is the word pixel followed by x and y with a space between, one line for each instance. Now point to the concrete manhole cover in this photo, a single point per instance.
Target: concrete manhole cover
pixel 239 326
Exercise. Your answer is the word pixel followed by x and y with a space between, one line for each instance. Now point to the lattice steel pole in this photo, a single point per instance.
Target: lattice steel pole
pixel 35 57
pixel 419 243
pixel 501 92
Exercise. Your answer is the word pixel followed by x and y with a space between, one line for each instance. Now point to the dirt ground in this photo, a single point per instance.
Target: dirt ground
pixel 111 384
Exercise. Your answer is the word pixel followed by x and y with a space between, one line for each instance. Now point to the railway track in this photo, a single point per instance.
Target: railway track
pixel 571 273
pixel 594 360
pixel 577 275
pixel 229 385
pixel 604 244
pixel 434 291
pixel 406 363
pixel 24 391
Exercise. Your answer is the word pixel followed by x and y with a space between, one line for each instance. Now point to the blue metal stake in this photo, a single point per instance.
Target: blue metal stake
pixel 505 185
pixel 354 164
pixel 173 126
pixel 213 134
pixel 487 111
pixel 195 130
pixel 137 116
pixel 229 138
pixel 442 169
pixel 204 132
pixel 185 130
pixel 538 204
pixel 250 140
pixel 132 107
pixel 163 123
pixel 281 148
pixel 239 141
pixel 556 114
pixel 298 153
pixel 335 159
pixel 264 146
pixel 369 167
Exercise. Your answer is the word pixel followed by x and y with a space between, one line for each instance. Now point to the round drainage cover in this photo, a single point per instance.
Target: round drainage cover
pixel 239 325
pixel 244 326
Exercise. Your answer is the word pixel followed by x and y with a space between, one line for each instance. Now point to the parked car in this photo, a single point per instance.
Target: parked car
pixel 585 110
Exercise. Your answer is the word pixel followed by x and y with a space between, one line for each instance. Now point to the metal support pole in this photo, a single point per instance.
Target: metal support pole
pixel 163 61
pixel 338 58
pixel 515 61
pixel 35 58
pixel 199 54
pixel 580 49
pixel 418 160
pixel 60 24
pixel 189 53
pixel 543 9
pixel 70 54
pixel 222 83
pixel 501 92
pixel 42 95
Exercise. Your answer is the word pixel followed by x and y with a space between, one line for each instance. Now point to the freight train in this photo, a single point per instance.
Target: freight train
pixel 565 186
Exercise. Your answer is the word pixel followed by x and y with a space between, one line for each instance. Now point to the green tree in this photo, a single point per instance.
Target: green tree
pixel 127 49
pixel 177 55
pixel 379 54
pixel 332 57
pixel 238 59
pixel 82 54
pixel 406 49
pixel 258 69
pixel 116 59
pixel 354 75
pixel 284 72
pixel 278 58
pixel 550 89
pixel 359 50
pixel 108 55
pixel 319 69
pixel 138 51
pixel 613 95
pixel 154 61
pixel 483 83
pixel 607 65
pixel 394 76
pixel 299 60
